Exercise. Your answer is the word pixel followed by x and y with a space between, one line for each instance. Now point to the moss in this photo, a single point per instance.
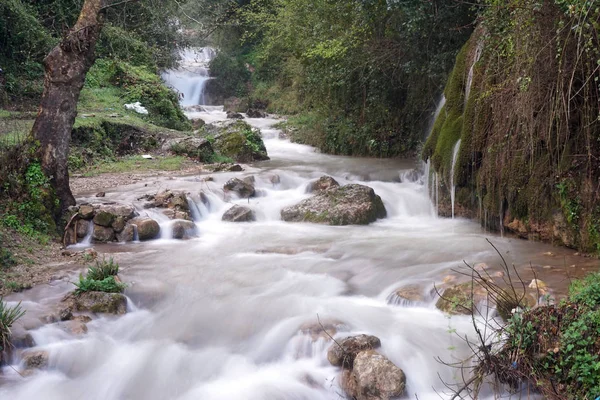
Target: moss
pixel 239 142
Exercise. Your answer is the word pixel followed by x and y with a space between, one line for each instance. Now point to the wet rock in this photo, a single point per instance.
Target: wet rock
pixel 76 328
pixel 321 184
pixel 182 229
pixel 373 377
pixel 119 224
pixel 127 234
pixel 346 205
pixel 86 211
pixel 235 104
pixel 147 228
pixel 461 299
pixel 101 194
pixel 235 168
pixel 254 113
pixel 103 234
pixel 35 359
pixel 172 214
pixel 103 218
pixel 118 210
pixel 193 147
pixel 325 330
pixel 97 302
pixel 234 115
pixel 82 228
pixel 344 356
pixel 66 314
pixel 411 294
pixel 239 214
pixel 275 179
pixel 21 338
pixel 538 285
pixel 242 188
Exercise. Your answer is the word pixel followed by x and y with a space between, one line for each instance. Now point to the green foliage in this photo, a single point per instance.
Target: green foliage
pixel 143 85
pixel 569 201
pixel 557 346
pixel 359 68
pixel 101 278
pixel 231 75
pixel 8 316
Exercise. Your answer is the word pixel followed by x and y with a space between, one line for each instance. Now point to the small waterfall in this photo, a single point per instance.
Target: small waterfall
pixel 427 177
pixel 478 51
pixel 87 240
pixel 452 184
pixel 194 210
pixel 436 179
pixel 136 236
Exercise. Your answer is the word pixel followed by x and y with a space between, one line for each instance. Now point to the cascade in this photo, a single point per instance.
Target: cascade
pixel 477 57
pixel 452 184
pixel 191 77
pixel 87 240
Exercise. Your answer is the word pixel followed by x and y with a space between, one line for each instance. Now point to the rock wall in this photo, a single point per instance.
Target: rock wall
pixel 523 99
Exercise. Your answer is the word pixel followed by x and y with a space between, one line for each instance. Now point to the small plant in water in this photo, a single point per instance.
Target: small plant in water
pixel 8 316
pixel 101 278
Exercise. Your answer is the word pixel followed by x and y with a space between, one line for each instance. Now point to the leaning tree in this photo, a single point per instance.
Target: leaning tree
pixel 65 69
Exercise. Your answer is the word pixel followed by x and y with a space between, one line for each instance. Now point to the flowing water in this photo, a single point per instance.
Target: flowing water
pixel 192 75
pixel 226 315
pixel 452 183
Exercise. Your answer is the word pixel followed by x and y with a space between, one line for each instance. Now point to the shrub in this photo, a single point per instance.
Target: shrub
pixel 101 278
pixel 8 316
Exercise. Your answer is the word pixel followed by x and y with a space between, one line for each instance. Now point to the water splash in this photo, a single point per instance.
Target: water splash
pixel 452 184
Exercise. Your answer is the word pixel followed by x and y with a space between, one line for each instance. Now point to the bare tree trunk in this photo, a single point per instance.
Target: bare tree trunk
pixel 65 69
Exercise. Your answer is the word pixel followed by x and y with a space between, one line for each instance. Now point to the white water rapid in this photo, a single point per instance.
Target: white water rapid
pixel 192 75
pixel 224 316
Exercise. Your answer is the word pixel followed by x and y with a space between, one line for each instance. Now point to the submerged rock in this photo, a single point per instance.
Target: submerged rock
pixel 347 205
pixel 239 214
pixel 324 330
pixel 321 184
pixel 410 294
pixel 345 351
pixel 461 299
pixel 242 188
pixel 373 377
pixel 183 229
pixel 35 359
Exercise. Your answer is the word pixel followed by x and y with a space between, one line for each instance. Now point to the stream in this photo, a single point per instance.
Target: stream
pixel 227 315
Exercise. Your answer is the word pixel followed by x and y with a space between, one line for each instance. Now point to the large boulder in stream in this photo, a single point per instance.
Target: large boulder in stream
pixel 147 228
pixel 239 141
pixel 346 205
pixel 373 377
pixel 343 352
pixel 239 214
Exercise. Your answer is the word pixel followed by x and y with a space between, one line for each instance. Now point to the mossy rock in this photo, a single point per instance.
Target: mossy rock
pixel 240 142
pixel 346 205
pixel 461 299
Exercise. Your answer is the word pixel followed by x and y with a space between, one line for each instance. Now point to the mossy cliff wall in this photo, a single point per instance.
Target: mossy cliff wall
pixel 523 99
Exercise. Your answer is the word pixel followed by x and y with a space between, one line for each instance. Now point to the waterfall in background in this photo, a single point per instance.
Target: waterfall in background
pixel 191 77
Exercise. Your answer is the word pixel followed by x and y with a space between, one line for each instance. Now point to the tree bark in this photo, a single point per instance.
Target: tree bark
pixel 65 69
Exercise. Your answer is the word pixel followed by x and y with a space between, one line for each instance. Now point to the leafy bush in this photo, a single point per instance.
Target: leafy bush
pixel 101 278
pixel 8 316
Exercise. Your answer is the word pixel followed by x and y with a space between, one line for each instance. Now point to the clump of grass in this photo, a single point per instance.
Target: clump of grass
pixel 101 278
pixel 8 316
